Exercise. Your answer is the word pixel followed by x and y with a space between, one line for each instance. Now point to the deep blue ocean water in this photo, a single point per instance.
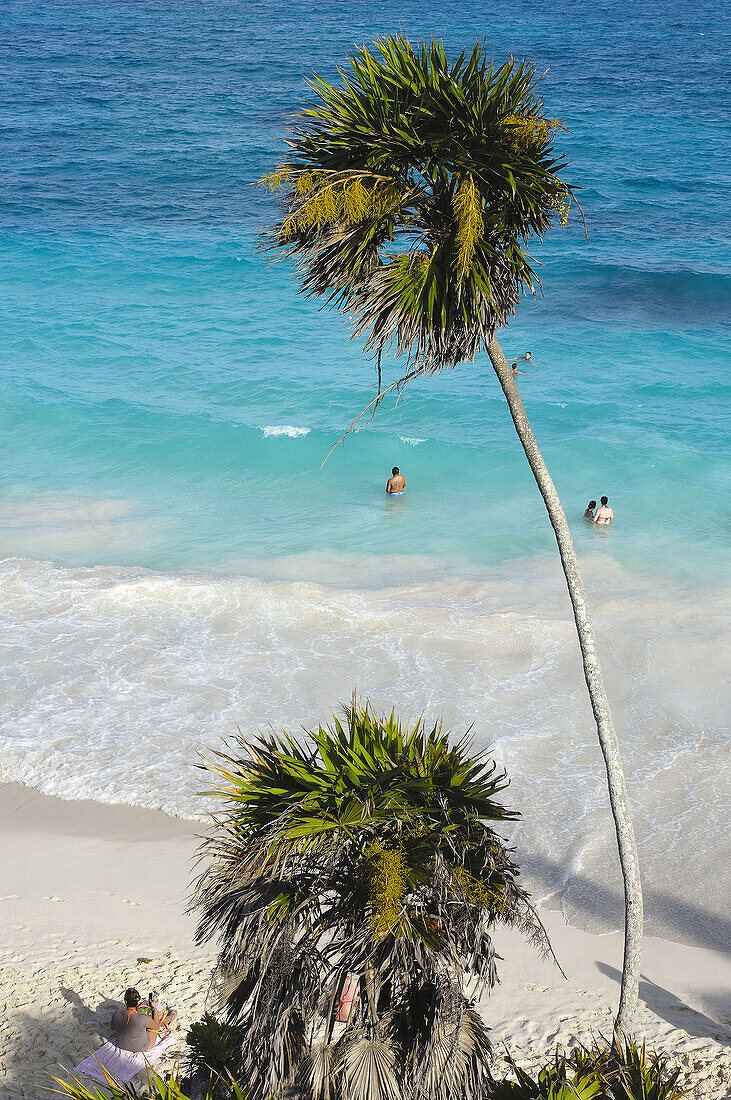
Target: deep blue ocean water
pixel 166 401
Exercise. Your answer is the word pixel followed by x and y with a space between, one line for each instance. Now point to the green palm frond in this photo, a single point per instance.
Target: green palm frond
pixel 157 1087
pixel 363 853
pixel 410 191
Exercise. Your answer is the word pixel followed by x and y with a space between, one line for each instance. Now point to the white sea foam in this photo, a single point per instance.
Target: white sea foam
pixel 285 429
pixel 113 680
pixel 411 440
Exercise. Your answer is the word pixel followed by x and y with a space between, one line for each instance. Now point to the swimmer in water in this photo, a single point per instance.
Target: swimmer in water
pixel 396 483
pixel 604 514
pixel 589 513
pixel 521 359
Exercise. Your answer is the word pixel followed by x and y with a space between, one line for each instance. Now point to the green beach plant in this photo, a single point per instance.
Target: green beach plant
pixel 156 1087
pixel 559 1079
pixel 616 1070
pixel 212 1051
pixel 407 198
pixel 631 1072
pixel 353 883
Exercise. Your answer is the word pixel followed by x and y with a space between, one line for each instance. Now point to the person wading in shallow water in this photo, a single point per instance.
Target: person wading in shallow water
pixel 604 513
pixel 589 513
pixel 396 483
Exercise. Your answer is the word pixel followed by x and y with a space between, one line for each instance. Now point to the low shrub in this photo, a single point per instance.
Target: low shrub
pixel 156 1088
pixel 560 1079
pixel 604 1071
pixel 213 1045
pixel 630 1072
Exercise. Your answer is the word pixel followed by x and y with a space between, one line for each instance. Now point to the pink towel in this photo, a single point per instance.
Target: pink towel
pixel 349 995
pixel 122 1065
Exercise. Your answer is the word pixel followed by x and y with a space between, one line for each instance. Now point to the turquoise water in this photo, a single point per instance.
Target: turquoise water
pixel 177 562
pixel 146 344
pixel 150 370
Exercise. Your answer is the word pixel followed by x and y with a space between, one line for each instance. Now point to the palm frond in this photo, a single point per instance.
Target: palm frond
pixel 364 852
pixel 410 190
pixel 368 1070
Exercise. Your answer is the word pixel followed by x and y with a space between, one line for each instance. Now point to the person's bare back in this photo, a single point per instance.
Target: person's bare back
pixel 604 513
pixel 396 483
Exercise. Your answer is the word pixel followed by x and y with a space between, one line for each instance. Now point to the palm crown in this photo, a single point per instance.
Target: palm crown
pixel 366 858
pixel 410 192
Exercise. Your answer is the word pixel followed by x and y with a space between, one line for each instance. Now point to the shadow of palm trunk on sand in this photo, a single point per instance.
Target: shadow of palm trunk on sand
pixel 669 1007
pixel 665 916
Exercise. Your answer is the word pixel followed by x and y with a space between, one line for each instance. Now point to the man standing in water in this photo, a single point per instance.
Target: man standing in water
pixel 396 483
pixel 604 513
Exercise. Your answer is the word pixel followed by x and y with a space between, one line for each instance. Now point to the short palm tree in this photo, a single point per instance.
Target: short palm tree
pixel 407 198
pixel 354 882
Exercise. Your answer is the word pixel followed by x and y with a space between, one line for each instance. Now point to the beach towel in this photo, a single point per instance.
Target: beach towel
pixel 122 1065
pixel 163 1028
pixel 349 994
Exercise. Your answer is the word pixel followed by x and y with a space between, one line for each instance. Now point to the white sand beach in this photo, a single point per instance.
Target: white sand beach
pixel 93 900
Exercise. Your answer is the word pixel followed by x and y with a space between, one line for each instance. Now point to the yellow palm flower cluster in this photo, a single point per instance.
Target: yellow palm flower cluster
pixel 327 201
pixel 561 203
pixel 276 180
pixel 526 132
pixel 477 892
pixel 467 206
pixel 388 871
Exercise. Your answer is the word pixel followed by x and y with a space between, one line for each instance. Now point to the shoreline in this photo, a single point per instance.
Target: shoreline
pixel 94 899
pixel 157 671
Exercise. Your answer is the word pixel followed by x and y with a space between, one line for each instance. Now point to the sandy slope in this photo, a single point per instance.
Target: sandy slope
pixel 90 891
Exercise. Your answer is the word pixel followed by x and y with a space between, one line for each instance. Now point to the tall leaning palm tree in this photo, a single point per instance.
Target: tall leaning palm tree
pixel 408 195
pixel 354 882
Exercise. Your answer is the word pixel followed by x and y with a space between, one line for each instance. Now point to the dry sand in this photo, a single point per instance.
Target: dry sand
pixel 89 893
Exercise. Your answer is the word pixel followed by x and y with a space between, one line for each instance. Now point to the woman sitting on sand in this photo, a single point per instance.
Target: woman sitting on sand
pixel 134 1030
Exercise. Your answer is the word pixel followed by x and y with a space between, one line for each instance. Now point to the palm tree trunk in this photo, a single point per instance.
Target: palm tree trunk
pixel 597 694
